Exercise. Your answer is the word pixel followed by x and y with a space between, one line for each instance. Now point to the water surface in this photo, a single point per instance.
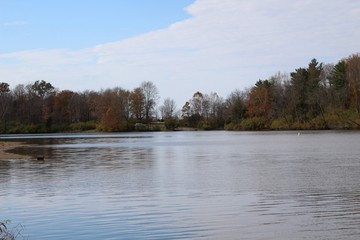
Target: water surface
pixel 192 185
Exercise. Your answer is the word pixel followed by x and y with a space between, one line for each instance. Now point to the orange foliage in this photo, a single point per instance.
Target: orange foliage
pixel 259 103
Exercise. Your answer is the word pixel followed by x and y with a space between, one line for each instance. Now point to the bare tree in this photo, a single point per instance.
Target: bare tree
pixel 235 106
pixel 151 96
pixel 168 108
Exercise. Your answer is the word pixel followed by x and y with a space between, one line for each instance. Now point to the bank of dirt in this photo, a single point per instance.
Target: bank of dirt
pixel 5 146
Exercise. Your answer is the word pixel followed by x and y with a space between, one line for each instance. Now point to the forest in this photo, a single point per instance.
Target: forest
pixel 317 96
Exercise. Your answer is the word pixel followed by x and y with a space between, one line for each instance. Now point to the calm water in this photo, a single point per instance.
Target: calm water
pixel 192 185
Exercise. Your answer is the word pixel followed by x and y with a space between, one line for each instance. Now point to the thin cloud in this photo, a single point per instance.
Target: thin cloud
pixel 16 23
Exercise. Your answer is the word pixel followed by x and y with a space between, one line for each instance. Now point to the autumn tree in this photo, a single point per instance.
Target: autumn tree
pixel 63 111
pixel 5 101
pixel 317 96
pixel 96 105
pixel 260 99
pixel 110 121
pixel 137 100
pixel 116 110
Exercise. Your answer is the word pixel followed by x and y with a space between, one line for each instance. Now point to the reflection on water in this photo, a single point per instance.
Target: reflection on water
pixel 198 185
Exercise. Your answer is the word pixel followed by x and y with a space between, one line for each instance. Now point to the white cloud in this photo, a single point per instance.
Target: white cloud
pixel 226 44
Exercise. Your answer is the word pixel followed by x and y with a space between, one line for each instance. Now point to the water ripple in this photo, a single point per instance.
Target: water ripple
pixel 203 185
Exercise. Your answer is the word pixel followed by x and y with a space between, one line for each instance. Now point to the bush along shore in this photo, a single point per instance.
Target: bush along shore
pixel 317 96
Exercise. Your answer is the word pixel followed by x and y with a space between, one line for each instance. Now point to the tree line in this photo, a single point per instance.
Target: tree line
pixel 318 96
pixel 40 108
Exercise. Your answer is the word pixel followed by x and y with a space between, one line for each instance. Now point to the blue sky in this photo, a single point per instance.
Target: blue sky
pixel 34 24
pixel 182 46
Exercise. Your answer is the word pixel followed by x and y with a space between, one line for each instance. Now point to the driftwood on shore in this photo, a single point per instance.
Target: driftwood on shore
pixel 4 155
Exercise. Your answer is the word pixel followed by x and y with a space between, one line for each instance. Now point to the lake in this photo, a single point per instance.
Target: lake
pixel 185 185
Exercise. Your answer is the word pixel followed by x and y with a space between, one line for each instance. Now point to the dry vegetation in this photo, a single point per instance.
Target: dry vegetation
pixel 318 96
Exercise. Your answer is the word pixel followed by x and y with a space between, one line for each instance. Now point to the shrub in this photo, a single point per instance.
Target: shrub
pixel 27 128
pixel 255 123
pixel 171 123
pixel 83 126
pixel 279 124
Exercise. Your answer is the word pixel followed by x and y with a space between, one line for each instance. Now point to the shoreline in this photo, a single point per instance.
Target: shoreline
pixel 4 155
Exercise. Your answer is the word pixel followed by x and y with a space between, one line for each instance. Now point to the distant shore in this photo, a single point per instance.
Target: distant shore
pixel 4 155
